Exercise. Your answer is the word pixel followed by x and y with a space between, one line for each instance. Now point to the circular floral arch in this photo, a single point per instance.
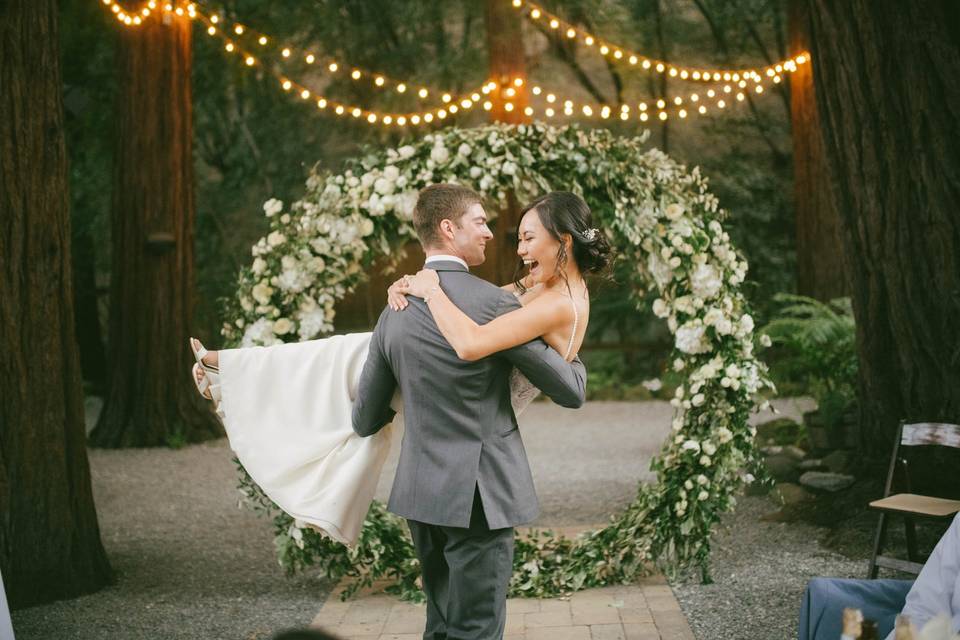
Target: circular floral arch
pixel 661 220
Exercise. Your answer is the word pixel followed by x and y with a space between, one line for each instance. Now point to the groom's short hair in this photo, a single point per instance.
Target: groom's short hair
pixel 440 202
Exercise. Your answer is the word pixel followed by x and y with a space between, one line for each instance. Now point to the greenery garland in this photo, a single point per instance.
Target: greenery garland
pixel 658 215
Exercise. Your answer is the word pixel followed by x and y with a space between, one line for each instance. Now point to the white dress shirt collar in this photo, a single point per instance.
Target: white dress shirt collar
pixel 446 258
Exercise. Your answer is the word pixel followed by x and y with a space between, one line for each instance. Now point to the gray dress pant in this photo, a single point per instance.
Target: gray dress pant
pixel 465 574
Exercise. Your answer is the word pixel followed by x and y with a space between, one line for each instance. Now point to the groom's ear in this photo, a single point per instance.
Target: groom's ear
pixel 447 229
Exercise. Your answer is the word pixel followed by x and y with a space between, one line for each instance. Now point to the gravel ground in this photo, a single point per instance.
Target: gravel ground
pixel 191 565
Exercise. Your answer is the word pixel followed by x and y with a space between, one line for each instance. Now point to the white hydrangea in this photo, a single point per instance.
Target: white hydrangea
pixel 705 281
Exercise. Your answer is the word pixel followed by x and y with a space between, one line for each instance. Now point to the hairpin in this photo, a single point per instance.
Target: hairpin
pixel 590 234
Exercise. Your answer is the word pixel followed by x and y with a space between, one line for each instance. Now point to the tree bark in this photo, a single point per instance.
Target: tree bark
pixel 151 400
pixel 822 271
pixel 50 544
pixel 888 94
pixel 507 62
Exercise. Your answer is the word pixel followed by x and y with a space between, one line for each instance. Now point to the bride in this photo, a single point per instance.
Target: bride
pixel 287 408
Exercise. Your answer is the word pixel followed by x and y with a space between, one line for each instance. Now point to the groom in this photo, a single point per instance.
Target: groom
pixel 463 481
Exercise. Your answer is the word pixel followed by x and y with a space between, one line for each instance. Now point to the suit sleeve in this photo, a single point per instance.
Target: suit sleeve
pixel 563 382
pixel 371 408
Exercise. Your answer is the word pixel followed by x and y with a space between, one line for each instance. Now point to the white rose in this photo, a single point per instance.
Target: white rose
pixel 367 180
pixel 765 340
pixel 702 480
pixel 746 323
pixel 464 150
pixel 724 435
pixel 732 370
pixel 272 207
pixel 674 211
pixel 282 326
pixel 275 239
pixel 660 308
pixel 439 154
pixel 366 227
pixel 259 266
pixel 691 445
pixel 712 316
pixel 475 172
pixel 390 172
pixel 261 293
pixel 688 485
pixel 703 495
pixel 709 448
pixel 705 461
pixel 406 151
pixel 509 168
pixel 675 262
pixel 246 304
pixel 383 186
pixel 692 339
pixel 317 265
pixel 705 281
pixel 652 385
pixel 698 400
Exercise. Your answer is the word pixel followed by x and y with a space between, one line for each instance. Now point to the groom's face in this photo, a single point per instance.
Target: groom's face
pixel 471 235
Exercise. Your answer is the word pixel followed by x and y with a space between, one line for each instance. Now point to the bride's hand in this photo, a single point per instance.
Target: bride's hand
pixel 419 285
pixel 395 299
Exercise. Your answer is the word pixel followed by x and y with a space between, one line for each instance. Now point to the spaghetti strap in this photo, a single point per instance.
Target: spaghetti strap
pixel 573 335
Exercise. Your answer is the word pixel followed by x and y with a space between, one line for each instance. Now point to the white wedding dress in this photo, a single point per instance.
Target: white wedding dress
pixel 287 410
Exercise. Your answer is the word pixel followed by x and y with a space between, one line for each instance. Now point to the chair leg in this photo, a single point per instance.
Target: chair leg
pixel 878 542
pixel 912 554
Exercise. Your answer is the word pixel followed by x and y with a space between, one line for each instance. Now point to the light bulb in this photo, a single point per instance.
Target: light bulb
pixel 528 111
pixel 673 72
pixel 446 97
pixel 387 119
pixel 537 91
pixel 587 111
pixel 551 98
pixel 508 106
pixel 371 118
pixel 487 105
pixel 415 119
pixel 357 112
pixel 645 64
pixel 518 82
pixel 663 115
pixel 250 61
pixel 682 113
pixel 286 85
pixel 355 74
pixel 238 29
pixel 305 94
pixel 262 40
pixel 310 58
pixel 401 88
pixel 549 112
pixel 633 59
pixel 285 53
pixel 379 81
pixel 422 93
pixel 332 66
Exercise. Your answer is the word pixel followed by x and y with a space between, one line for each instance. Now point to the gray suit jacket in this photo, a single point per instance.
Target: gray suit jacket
pixel 460 431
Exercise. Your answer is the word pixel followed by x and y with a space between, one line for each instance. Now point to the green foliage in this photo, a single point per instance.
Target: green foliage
pixel 817 348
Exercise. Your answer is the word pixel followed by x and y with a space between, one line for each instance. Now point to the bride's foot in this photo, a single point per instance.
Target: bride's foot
pixel 200 379
pixel 210 359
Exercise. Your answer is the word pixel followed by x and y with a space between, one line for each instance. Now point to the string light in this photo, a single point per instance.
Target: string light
pixel 684 72
pixel 135 18
pixel 379 80
pixel 452 104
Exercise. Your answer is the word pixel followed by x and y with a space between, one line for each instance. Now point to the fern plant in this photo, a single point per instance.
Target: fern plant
pixel 817 348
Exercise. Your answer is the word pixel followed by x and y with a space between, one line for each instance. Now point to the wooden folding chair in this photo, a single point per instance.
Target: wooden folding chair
pixel 910 505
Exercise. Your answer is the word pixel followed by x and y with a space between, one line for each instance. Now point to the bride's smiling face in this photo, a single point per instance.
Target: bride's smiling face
pixel 537 248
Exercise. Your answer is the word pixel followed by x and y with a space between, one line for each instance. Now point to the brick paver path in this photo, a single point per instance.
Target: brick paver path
pixel 646 610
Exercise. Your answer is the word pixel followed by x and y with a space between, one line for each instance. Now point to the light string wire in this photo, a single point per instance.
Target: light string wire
pixel 537 13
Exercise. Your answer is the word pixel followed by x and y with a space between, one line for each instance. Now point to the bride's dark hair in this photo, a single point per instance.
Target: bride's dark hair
pixel 563 212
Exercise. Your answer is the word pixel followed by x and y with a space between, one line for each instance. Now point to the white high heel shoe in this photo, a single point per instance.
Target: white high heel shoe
pixel 210 381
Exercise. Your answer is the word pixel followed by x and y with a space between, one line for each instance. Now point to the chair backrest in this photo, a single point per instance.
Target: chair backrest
pixel 914 434
pixel 930 433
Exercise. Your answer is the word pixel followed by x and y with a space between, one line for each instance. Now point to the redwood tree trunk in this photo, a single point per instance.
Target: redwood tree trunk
pixel 822 271
pixel 49 538
pixel 888 93
pixel 151 399
pixel 507 61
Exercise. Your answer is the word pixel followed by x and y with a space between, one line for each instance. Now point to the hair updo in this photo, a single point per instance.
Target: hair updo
pixel 563 212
